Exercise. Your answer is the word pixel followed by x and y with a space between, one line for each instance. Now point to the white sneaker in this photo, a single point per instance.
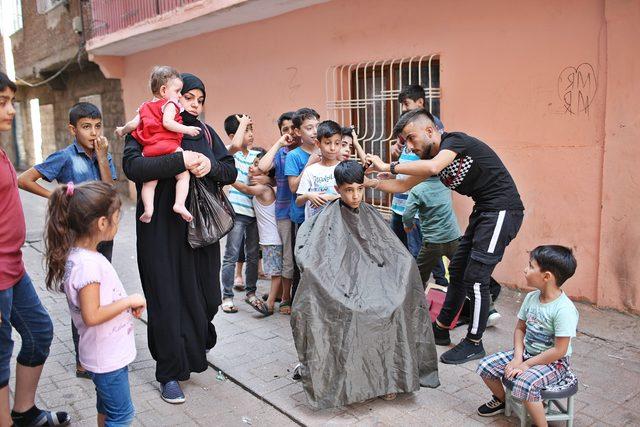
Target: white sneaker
pixel 493 319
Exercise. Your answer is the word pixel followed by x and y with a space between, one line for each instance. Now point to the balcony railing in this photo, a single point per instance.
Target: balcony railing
pixel 109 16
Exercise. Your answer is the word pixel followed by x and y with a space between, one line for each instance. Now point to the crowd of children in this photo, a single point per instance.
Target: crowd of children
pixel 83 217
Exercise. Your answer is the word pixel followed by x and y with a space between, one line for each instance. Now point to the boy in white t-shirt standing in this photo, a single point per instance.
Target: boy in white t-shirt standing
pixel 317 184
pixel 264 206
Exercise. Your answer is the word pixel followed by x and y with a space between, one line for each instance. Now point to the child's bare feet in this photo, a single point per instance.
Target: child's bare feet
pixel 146 217
pixel 183 212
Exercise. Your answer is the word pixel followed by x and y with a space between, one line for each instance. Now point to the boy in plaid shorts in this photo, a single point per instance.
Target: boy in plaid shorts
pixel 542 340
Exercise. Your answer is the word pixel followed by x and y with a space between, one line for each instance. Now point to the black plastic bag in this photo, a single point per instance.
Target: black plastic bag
pixel 360 319
pixel 213 215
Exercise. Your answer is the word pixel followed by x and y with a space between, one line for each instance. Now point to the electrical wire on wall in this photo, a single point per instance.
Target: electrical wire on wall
pixel 76 57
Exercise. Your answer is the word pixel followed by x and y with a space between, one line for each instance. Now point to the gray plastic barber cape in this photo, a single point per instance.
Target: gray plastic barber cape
pixel 360 318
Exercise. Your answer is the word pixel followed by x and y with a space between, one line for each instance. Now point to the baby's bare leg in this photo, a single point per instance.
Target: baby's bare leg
pixel 182 190
pixel 147 194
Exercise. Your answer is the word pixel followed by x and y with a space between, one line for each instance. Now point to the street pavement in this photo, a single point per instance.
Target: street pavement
pixel 249 382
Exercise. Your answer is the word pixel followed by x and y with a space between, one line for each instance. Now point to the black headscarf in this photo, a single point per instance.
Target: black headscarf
pixel 189 82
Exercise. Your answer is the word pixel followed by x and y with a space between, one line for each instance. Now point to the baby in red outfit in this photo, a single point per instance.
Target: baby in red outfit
pixel 158 128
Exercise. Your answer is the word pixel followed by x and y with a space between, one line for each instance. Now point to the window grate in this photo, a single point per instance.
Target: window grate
pixel 365 95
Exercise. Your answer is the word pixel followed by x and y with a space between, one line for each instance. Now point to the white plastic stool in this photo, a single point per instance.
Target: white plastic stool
pixel 552 396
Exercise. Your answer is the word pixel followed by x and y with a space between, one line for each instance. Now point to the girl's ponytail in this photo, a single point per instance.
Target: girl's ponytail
pixel 71 213
pixel 58 236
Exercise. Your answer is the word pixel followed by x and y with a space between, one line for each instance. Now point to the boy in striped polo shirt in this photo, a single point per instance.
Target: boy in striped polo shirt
pixel 240 129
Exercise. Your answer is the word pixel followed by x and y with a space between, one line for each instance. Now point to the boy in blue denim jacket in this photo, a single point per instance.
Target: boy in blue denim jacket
pixel 86 159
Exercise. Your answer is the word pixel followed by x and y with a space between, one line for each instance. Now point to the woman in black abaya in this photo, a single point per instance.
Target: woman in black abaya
pixel 181 284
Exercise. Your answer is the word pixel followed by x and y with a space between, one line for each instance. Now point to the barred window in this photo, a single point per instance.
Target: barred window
pixel 365 95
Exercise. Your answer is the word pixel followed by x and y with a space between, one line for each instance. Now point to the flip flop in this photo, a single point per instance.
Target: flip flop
pixel 258 305
pixel 228 307
pixel 285 307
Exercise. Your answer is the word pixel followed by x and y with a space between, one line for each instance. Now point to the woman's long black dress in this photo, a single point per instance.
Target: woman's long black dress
pixel 181 285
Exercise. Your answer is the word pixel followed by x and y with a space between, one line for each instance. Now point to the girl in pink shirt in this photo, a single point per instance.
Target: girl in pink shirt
pixel 78 218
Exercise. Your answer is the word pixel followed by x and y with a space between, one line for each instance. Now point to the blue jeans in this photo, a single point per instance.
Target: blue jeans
pixel 413 242
pixel 246 227
pixel 114 397
pixel 21 308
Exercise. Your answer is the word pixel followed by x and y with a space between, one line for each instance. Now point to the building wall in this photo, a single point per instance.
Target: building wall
pixel 509 73
pixel 46 44
pixel 77 83
pixel 46 40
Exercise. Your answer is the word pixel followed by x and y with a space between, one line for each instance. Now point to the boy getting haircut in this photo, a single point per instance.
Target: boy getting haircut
pixel 349 172
pixel 375 284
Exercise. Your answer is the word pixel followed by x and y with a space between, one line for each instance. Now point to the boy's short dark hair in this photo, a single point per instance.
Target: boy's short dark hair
pixel 304 114
pixel 409 117
pixel 348 172
pixel 346 131
pixel 6 82
pixel 412 92
pixel 327 129
pixel 261 152
pixel 557 260
pixel 83 110
pixel 285 116
pixel 231 124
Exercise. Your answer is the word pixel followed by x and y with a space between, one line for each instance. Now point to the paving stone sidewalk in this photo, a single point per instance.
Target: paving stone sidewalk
pixel 259 354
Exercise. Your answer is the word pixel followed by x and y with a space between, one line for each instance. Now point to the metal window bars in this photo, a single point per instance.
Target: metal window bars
pixel 365 95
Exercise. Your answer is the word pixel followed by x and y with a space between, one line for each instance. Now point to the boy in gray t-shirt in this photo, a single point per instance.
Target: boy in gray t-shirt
pixel 547 321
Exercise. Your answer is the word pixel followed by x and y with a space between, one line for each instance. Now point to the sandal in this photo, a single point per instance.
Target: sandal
pixel 389 396
pixel 228 307
pixel 257 304
pixel 47 418
pixel 285 307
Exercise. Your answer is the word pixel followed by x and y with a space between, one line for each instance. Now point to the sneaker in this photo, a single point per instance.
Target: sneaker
pixel 172 393
pixel 493 318
pixel 440 335
pixel 465 351
pixel 493 407
pixel 296 373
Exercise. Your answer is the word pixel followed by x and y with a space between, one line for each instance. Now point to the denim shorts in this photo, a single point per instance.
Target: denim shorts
pixel 21 309
pixel 114 397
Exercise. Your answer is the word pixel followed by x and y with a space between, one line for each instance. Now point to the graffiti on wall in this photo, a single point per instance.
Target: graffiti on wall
pixel 577 88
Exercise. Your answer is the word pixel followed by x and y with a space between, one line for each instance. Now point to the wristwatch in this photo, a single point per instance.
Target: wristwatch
pixel 392 167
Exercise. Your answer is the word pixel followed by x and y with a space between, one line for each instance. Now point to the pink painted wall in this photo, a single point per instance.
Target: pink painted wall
pixel 619 276
pixel 500 67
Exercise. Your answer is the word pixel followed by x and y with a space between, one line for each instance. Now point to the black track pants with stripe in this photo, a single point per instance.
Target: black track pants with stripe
pixel 480 250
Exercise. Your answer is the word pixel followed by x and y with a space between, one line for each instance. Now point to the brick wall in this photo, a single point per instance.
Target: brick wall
pixel 46 40
pixel 42 47
pixel 76 84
